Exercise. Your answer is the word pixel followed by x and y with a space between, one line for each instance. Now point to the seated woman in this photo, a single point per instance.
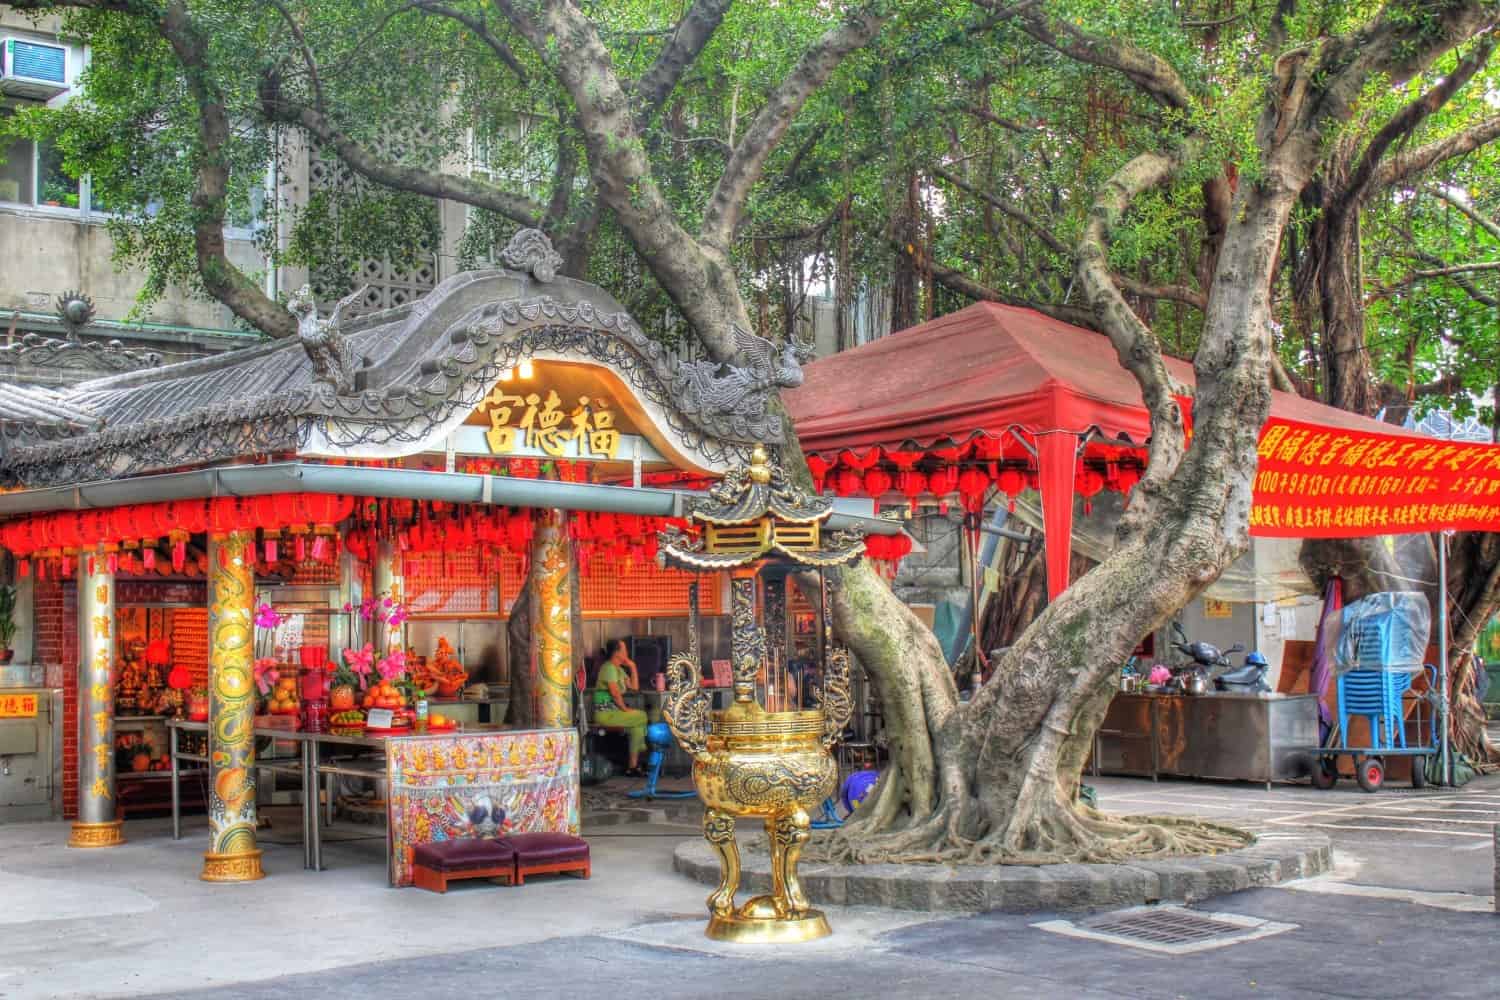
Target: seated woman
pixel 617 675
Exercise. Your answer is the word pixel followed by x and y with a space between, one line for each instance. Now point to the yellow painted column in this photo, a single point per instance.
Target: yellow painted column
pixel 96 825
pixel 552 569
pixel 232 854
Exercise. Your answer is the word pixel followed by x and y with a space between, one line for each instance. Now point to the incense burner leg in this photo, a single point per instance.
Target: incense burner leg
pixel 793 830
pixel 718 830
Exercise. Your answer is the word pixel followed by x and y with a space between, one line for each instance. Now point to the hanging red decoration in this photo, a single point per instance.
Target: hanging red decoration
pixel 941 482
pixel 877 482
pixel 912 484
pixel 846 481
pixel 860 462
pixel 818 466
pixel 1088 481
pixel 904 460
pixel 973 484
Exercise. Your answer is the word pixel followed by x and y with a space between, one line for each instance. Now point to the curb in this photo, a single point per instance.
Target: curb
pixel 1274 857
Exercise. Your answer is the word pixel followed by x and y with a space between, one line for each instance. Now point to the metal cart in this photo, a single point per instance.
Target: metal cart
pixel 1387 739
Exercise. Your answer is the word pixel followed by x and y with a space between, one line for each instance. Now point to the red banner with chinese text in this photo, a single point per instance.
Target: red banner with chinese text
pixel 1315 481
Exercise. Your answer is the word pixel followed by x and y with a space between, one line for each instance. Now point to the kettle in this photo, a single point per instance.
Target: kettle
pixel 1193 682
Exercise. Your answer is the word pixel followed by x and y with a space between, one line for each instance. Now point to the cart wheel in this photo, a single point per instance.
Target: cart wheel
pixel 1371 774
pixel 1325 772
pixel 1419 772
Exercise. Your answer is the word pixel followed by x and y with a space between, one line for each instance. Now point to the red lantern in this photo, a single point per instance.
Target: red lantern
pixel 1088 483
pixel 818 466
pixel 912 484
pixel 877 482
pixel 846 482
pixel 1012 482
pixel 972 486
pixel 942 482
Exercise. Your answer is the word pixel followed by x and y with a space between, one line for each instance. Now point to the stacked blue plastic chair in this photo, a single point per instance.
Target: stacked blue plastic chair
pixel 1376 695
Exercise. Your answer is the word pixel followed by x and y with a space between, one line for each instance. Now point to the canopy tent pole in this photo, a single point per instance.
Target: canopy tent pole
pixel 1447 759
pixel 1057 460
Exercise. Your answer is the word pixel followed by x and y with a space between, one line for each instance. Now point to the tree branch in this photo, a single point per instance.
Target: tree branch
pixel 1146 70
pixel 1174 293
pixel 1409 118
pixel 1463 205
pixel 726 204
pixel 1387 290
pixel 964 285
pixel 278 106
pixel 681 51
pixel 1136 345
pixel 481 29
pixel 1009 208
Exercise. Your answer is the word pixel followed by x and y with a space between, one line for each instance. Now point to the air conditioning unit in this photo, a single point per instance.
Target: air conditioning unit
pixel 33 69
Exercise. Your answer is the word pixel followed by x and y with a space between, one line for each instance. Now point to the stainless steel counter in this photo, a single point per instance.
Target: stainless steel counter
pixel 1236 737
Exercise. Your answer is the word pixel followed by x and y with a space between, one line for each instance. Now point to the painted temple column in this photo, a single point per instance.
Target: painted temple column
pixel 343 630
pixel 552 570
pixel 96 825
pixel 388 579
pixel 232 855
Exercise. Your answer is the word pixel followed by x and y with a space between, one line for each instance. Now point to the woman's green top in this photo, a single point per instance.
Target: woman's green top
pixel 610 673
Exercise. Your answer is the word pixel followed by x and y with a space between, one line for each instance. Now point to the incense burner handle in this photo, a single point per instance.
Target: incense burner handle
pixel 834 700
pixel 686 706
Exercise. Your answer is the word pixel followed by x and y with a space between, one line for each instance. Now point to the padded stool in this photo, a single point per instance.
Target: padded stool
pixel 435 864
pixel 541 853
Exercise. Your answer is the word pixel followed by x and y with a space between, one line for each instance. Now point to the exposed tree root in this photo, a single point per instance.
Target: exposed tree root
pixel 1079 836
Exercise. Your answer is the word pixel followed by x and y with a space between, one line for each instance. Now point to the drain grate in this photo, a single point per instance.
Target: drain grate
pixel 1170 930
pixel 1166 926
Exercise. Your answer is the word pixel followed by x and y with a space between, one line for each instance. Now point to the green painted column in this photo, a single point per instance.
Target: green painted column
pixel 232 855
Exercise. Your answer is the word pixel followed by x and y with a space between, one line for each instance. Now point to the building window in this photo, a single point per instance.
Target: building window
pixel 54 187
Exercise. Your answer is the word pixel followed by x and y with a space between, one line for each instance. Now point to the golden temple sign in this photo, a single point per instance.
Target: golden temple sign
pixel 539 421
pixel 18 706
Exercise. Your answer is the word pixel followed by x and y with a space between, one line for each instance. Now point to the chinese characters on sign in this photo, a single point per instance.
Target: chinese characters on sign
pixel 539 421
pixel 1322 482
pixel 17 706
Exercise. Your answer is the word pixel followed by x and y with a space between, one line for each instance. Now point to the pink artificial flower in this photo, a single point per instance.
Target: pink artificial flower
pixel 360 662
pixel 266 674
pixel 392 666
pixel 1160 674
pixel 266 616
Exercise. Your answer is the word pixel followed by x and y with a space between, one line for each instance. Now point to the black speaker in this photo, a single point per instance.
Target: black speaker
pixel 650 653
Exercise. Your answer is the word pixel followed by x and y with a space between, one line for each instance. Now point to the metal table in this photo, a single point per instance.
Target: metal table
pixel 312 769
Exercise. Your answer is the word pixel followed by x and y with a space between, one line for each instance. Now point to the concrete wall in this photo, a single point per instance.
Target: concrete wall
pixel 48 252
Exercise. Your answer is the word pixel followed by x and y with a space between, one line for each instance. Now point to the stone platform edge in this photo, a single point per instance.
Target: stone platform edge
pixel 1276 856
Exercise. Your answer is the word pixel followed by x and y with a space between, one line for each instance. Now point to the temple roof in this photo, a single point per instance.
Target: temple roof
pixel 386 383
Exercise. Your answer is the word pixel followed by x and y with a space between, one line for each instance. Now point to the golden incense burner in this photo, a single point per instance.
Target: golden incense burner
pixel 748 762
pixel 775 766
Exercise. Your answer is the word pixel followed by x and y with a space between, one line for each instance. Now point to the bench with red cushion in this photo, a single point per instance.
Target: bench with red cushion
pixel 435 864
pixel 541 853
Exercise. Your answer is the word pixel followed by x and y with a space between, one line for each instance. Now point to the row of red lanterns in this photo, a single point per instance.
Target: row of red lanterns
pixel 145 525
pixel 971 482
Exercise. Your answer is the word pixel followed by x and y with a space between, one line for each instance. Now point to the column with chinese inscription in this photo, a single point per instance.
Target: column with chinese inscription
pixel 552 569
pixel 387 577
pixel 233 855
pixel 96 825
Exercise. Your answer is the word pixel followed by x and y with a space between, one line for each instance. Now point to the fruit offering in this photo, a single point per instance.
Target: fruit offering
pixel 283 697
pixel 341 698
pixel 443 673
pixel 383 695
pixel 353 717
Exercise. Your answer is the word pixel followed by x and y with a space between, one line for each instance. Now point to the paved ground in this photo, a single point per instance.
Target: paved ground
pixel 1406 914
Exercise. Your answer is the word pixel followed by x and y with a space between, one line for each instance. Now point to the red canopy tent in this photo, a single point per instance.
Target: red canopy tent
pixel 1025 400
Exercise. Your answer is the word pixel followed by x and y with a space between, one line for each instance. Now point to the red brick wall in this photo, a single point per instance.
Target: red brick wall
pixel 56 631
